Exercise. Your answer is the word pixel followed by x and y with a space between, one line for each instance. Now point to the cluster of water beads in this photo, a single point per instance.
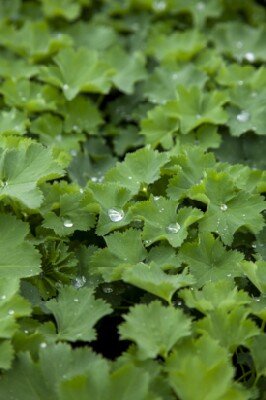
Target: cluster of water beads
pixel 115 214
pixel 173 228
pixel 79 282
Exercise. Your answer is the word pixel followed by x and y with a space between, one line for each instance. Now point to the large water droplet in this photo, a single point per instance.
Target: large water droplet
pixel 115 215
pixel 43 345
pixel 159 5
pixel 243 116
pixel 68 223
pixel 65 87
pixel 80 282
pixel 223 207
pixel 173 228
pixel 249 56
pixel 200 6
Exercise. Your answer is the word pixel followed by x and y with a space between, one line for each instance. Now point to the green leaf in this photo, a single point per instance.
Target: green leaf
pixel 13 122
pixel 258 352
pixel 123 249
pixel 231 328
pixel 42 379
pixel 64 210
pixel 192 164
pixel 78 71
pixel 256 273
pixel 247 43
pixel 151 278
pixel 130 68
pixel 163 83
pixel 141 167
pixel 246 112
pixel 19 258
pixel 6 354
pixel 162 221
pixel 76 312
pixel 154 328
pixel 193 108
pixel 222 294
pixel 22 169
pixel 208 260
pixel 200 369
pixel 179 46
pixel 229 209
pixel 67 9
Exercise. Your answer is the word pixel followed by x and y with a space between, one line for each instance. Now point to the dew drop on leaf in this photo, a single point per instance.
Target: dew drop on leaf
pixel 200 6
pixel 11 312
pixel 249 56
pixel 229 275
pixel 173 228
pixel 223 207
pixel 3 297
pixel 243 116
pixel 107 289
pixel 115 215
pixel 43 345
pixel 76 300
pixel 159 5
pixel 68 223
pixel 65 87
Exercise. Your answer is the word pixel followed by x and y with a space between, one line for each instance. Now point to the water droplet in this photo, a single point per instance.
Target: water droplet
pixel 198 116
pixel 243 116
pixel 76 300
pixel 65 87
pixel 161 210
pixel 107 289
pixel 223 207
pixel 130 177
pixel 175 76
pixel 243 215
pixel 159 5
pixel 257 299
pixel 249 56
pixel 3 297
pixel 254 246
pixel 254 94
pixel 94 179
pixel 173 228
pixel 115 215
pixel 68 223
pixel 156 198
pixel 75 128
pixel 240 83
pixel 239 44
pixel 73 152
pixel 200 6
pixel 179 303
pixel 229 275
pixel 26 331
pixel 81 190
pixel 43 345
pixel 80 282
pixel 11 312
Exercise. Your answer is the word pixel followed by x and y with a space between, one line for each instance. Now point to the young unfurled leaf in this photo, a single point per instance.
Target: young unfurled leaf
pixel 76 311
pixel 155 328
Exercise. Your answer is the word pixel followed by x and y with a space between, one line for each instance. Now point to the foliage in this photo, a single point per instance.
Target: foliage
pixel 132 212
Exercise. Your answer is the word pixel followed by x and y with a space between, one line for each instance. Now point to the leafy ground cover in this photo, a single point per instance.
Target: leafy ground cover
pixel 132 176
